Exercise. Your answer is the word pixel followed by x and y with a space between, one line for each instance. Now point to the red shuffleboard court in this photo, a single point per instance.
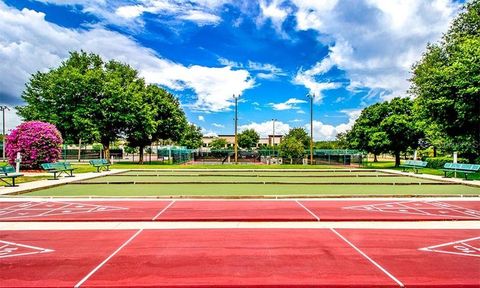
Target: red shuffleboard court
pixel 241 258
pixel 44 210
pixel 240 210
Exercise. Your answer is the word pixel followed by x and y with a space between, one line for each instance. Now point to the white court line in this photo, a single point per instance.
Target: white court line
pixel 368 258
pixel 308 210
pixel 108 258
pixel 453 242
pixel 163 210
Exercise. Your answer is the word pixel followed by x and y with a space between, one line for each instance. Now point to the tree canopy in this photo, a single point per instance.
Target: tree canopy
pixel 248 138
pixel 94 100
pixel 218 143
pixel 446 84
pixel 386 127
pixel 301 135
pixel 192 137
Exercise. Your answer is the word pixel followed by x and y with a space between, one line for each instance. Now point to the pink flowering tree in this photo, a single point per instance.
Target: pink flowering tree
pixel 38 142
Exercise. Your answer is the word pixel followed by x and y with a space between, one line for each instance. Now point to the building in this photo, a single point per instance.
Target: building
pixel 263 141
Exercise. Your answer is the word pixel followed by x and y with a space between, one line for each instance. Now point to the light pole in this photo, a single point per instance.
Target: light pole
pixel 3 108
pixel 311 96
pixel 273 139
pixel 235 147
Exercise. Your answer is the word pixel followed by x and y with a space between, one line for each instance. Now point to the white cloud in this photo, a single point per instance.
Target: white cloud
pixel 28 43
pixel 288 105
pixel 275 13
pixel 376 42
pixel 307 78
pixel 218 125
pixel 201 118
pixel 201 12
pixel 266 128
pixel 323 131
pixel 263 70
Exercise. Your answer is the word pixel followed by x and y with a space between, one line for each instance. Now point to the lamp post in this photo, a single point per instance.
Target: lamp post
pixel 273 139
pixel 235 146
pixel 3 108
pixel 311 96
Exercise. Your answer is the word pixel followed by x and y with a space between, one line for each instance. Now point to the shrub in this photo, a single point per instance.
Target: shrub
pixel 38 142
pixel 439 162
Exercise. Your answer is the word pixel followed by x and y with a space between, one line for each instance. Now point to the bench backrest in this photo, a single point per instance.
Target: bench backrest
pixel 8 169
pixel 461 166
pixel 417 163
pixel 56 166
pixel 97 162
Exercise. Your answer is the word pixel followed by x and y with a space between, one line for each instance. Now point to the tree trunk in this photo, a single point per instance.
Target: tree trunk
pixel 397 159
pixel 106 149
pixel 79 149
pixel 434 151
pixel 140 160
pixel 375 158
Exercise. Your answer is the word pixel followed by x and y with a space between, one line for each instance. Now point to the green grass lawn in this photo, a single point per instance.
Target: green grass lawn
pixel 250 190
pixel 25 179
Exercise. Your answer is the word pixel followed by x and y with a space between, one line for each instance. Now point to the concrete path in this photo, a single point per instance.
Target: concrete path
pixel 41 184
pixel 433 177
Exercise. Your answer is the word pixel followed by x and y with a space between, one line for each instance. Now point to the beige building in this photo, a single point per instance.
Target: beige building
pixel 263 141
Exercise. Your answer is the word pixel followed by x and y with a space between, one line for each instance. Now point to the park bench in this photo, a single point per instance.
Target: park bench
pixel 8 172
pixel 415 165
pixel 100 164
pixel 452 168
pixel 58 168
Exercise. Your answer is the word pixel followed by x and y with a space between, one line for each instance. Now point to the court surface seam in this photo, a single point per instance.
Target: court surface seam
pixel 308 210
pixel 163 210
pixel 107 259
pixel 368 258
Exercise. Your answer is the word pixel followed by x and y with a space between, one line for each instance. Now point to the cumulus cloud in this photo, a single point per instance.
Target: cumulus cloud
pixel 126 14
pixel 201 118
pixel 323 131
pixel 218 125
pixel 290 104
pixel 29 43
pixel 375 43
pixel 262 70
pixel 266 128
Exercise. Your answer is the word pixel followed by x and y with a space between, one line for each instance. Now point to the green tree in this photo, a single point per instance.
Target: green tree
pixel 291 148
pixel 446 84
pixel 86 98
pixel 192 137
pixel 386 127
pixel 301 135
pixel 218 143
pixel 365 126
pixel 248 138
pixel 160 117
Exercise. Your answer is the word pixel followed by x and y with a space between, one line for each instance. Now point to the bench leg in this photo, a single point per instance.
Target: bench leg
pixel 98 169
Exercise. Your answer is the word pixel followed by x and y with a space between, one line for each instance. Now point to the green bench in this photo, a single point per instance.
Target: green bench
pixel 100 164
pixel 8 172
pixel 415 165
pixel 58 168
pixel 452 168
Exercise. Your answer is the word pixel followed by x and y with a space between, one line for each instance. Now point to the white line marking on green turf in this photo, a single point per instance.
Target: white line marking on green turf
pixel 308 210
pixel 163 210
pixel 106 260
pixel 368 258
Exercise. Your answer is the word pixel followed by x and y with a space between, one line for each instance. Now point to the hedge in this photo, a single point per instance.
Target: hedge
pixel 439 162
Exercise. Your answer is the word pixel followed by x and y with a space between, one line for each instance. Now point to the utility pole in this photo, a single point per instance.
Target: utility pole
pixel 3 108
pixel 236 125
pixel 273 139
pixel 311 96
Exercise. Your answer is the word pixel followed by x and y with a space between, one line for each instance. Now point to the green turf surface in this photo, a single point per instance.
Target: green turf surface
pixel 251 190
pixel 253 174
pixel 234 179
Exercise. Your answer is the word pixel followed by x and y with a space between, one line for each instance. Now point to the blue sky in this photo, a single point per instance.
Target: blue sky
pixel 349 54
